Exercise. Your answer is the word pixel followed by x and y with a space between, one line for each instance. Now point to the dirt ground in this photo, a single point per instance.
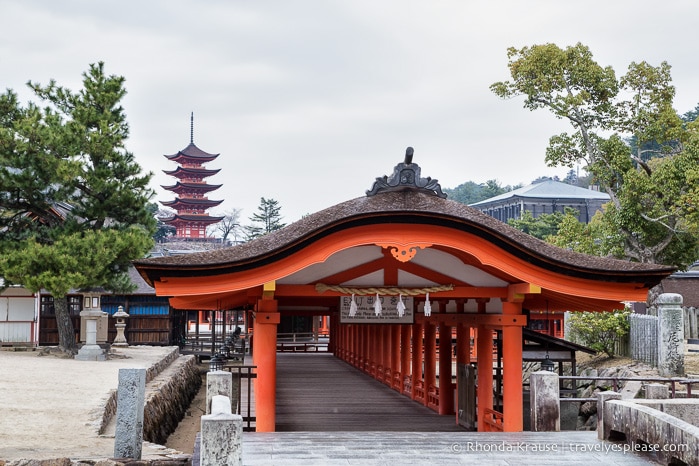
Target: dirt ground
pixel 52 407
pixel 184 436
pixel 691 362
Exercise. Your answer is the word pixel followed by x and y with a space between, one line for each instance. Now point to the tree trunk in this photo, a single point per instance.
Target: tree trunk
pixel 653 293
pixel 64 324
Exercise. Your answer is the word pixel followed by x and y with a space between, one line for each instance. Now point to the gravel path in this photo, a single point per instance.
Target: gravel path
pixel 52 407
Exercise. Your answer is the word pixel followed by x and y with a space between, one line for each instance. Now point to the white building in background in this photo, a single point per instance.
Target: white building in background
pixel 19 309
pixel 546 197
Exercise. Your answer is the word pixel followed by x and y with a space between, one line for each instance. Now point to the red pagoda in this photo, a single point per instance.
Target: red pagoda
pixel 191 202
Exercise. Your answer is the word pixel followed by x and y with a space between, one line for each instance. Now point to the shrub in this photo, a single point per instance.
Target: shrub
pixel 599 330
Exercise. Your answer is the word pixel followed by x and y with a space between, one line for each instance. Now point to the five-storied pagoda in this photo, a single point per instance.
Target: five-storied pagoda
pixel 191 202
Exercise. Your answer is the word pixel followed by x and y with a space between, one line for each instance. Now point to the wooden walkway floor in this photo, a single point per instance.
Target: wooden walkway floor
pixel 316 392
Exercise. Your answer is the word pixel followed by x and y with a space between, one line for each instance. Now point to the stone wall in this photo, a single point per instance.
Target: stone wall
pixel 168 397
pixel 152 372
pixel 106 462
pixel 677 441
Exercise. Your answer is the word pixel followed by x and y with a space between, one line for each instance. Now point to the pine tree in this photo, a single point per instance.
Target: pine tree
pixel 74 203
pixel 266 219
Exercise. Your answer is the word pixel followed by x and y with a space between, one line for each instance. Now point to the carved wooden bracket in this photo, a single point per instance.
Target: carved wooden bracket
pixel 404 252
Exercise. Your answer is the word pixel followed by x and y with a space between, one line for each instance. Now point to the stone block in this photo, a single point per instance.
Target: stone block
pixel 545 402
pixel 221 439
pixel 602 398
pixel 128 438
pixel 657 391
pixel 218 383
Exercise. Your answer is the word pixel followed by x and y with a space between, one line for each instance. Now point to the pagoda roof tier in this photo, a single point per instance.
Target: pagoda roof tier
pixel 190 202
pixel 180 218
pixel 191 153
pixel 184 172
pixel 198 187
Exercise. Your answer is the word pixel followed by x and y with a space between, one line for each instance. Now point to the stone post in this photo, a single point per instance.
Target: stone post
pixel 218 383
pixel 545 402
pixel 91 351
pixel 221 435
pixel 670 335
pixel 602 398
pixel 131 395
pixel 657 391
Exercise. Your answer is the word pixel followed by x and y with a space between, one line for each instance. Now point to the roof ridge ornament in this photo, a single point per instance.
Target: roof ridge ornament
pixel 406 176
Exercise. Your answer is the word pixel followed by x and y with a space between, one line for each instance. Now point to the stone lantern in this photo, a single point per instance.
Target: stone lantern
pixel 90 314
pixel 120 316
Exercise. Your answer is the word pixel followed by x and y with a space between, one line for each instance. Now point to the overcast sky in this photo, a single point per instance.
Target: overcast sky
pixel 309 101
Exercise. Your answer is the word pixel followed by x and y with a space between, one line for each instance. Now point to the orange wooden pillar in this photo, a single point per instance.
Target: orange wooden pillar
pixel 385 345
pixel 405 354
pixel 463 338
pixel 334 328
pixel 446 388
pixel 367 348
pixel 512 370
pixel 395 356
pixel 265 358
pixel 356 340
pixel 417 360
pixel 484 367
pixel 463 347
pixel 430 358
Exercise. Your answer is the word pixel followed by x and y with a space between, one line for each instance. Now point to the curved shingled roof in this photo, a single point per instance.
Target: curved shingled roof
pixel 407 206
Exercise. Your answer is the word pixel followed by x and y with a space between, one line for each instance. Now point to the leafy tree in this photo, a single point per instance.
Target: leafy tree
pixel 544 225
pixel 471 192
pixel 163 231
pixel 648 195
pixel 74 204
pixel 595 238
pixel 599 330
pixel 266 219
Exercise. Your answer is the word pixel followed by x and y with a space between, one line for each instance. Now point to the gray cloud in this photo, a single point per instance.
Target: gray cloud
pixel 309 101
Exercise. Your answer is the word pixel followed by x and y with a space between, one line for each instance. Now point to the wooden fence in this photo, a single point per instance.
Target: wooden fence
pixel 643 339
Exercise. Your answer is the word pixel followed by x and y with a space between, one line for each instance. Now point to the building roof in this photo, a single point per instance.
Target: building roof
pixel 184 186
pixel 548 189
pixel 186 201
pixel 192 153
pixel 181 172
pixel 403 233
pixel 409 207
pixel 201 218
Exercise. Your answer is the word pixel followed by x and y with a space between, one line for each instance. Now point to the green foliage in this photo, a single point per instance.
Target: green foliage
pixel 74 205
pixel 471 192
pixel 265 220
pixel 74 261
pixel 544 225
pixel 650 182
pixel 599 330
pixel 596 238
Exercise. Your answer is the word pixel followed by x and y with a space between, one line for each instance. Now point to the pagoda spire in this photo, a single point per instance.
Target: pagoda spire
pixel 191 128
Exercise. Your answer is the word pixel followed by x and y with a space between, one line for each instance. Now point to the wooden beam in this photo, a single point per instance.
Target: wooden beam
pixel 495 320
pixel 518 291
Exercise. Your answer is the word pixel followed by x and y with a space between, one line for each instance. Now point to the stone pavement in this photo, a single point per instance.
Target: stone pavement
pixel 439 448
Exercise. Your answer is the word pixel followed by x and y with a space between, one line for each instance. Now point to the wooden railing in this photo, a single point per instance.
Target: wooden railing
pixel 420 390
pixel 397 381
pixel 407 385
pixel 244 374
pixel 433 397
pixel 296 347
pixel 493 421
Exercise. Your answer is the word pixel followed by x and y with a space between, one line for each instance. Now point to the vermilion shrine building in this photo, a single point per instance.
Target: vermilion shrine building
pixel 191 202
pixel 401 241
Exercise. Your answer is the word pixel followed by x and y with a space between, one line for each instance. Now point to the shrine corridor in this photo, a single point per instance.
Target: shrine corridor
pixel 317 392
